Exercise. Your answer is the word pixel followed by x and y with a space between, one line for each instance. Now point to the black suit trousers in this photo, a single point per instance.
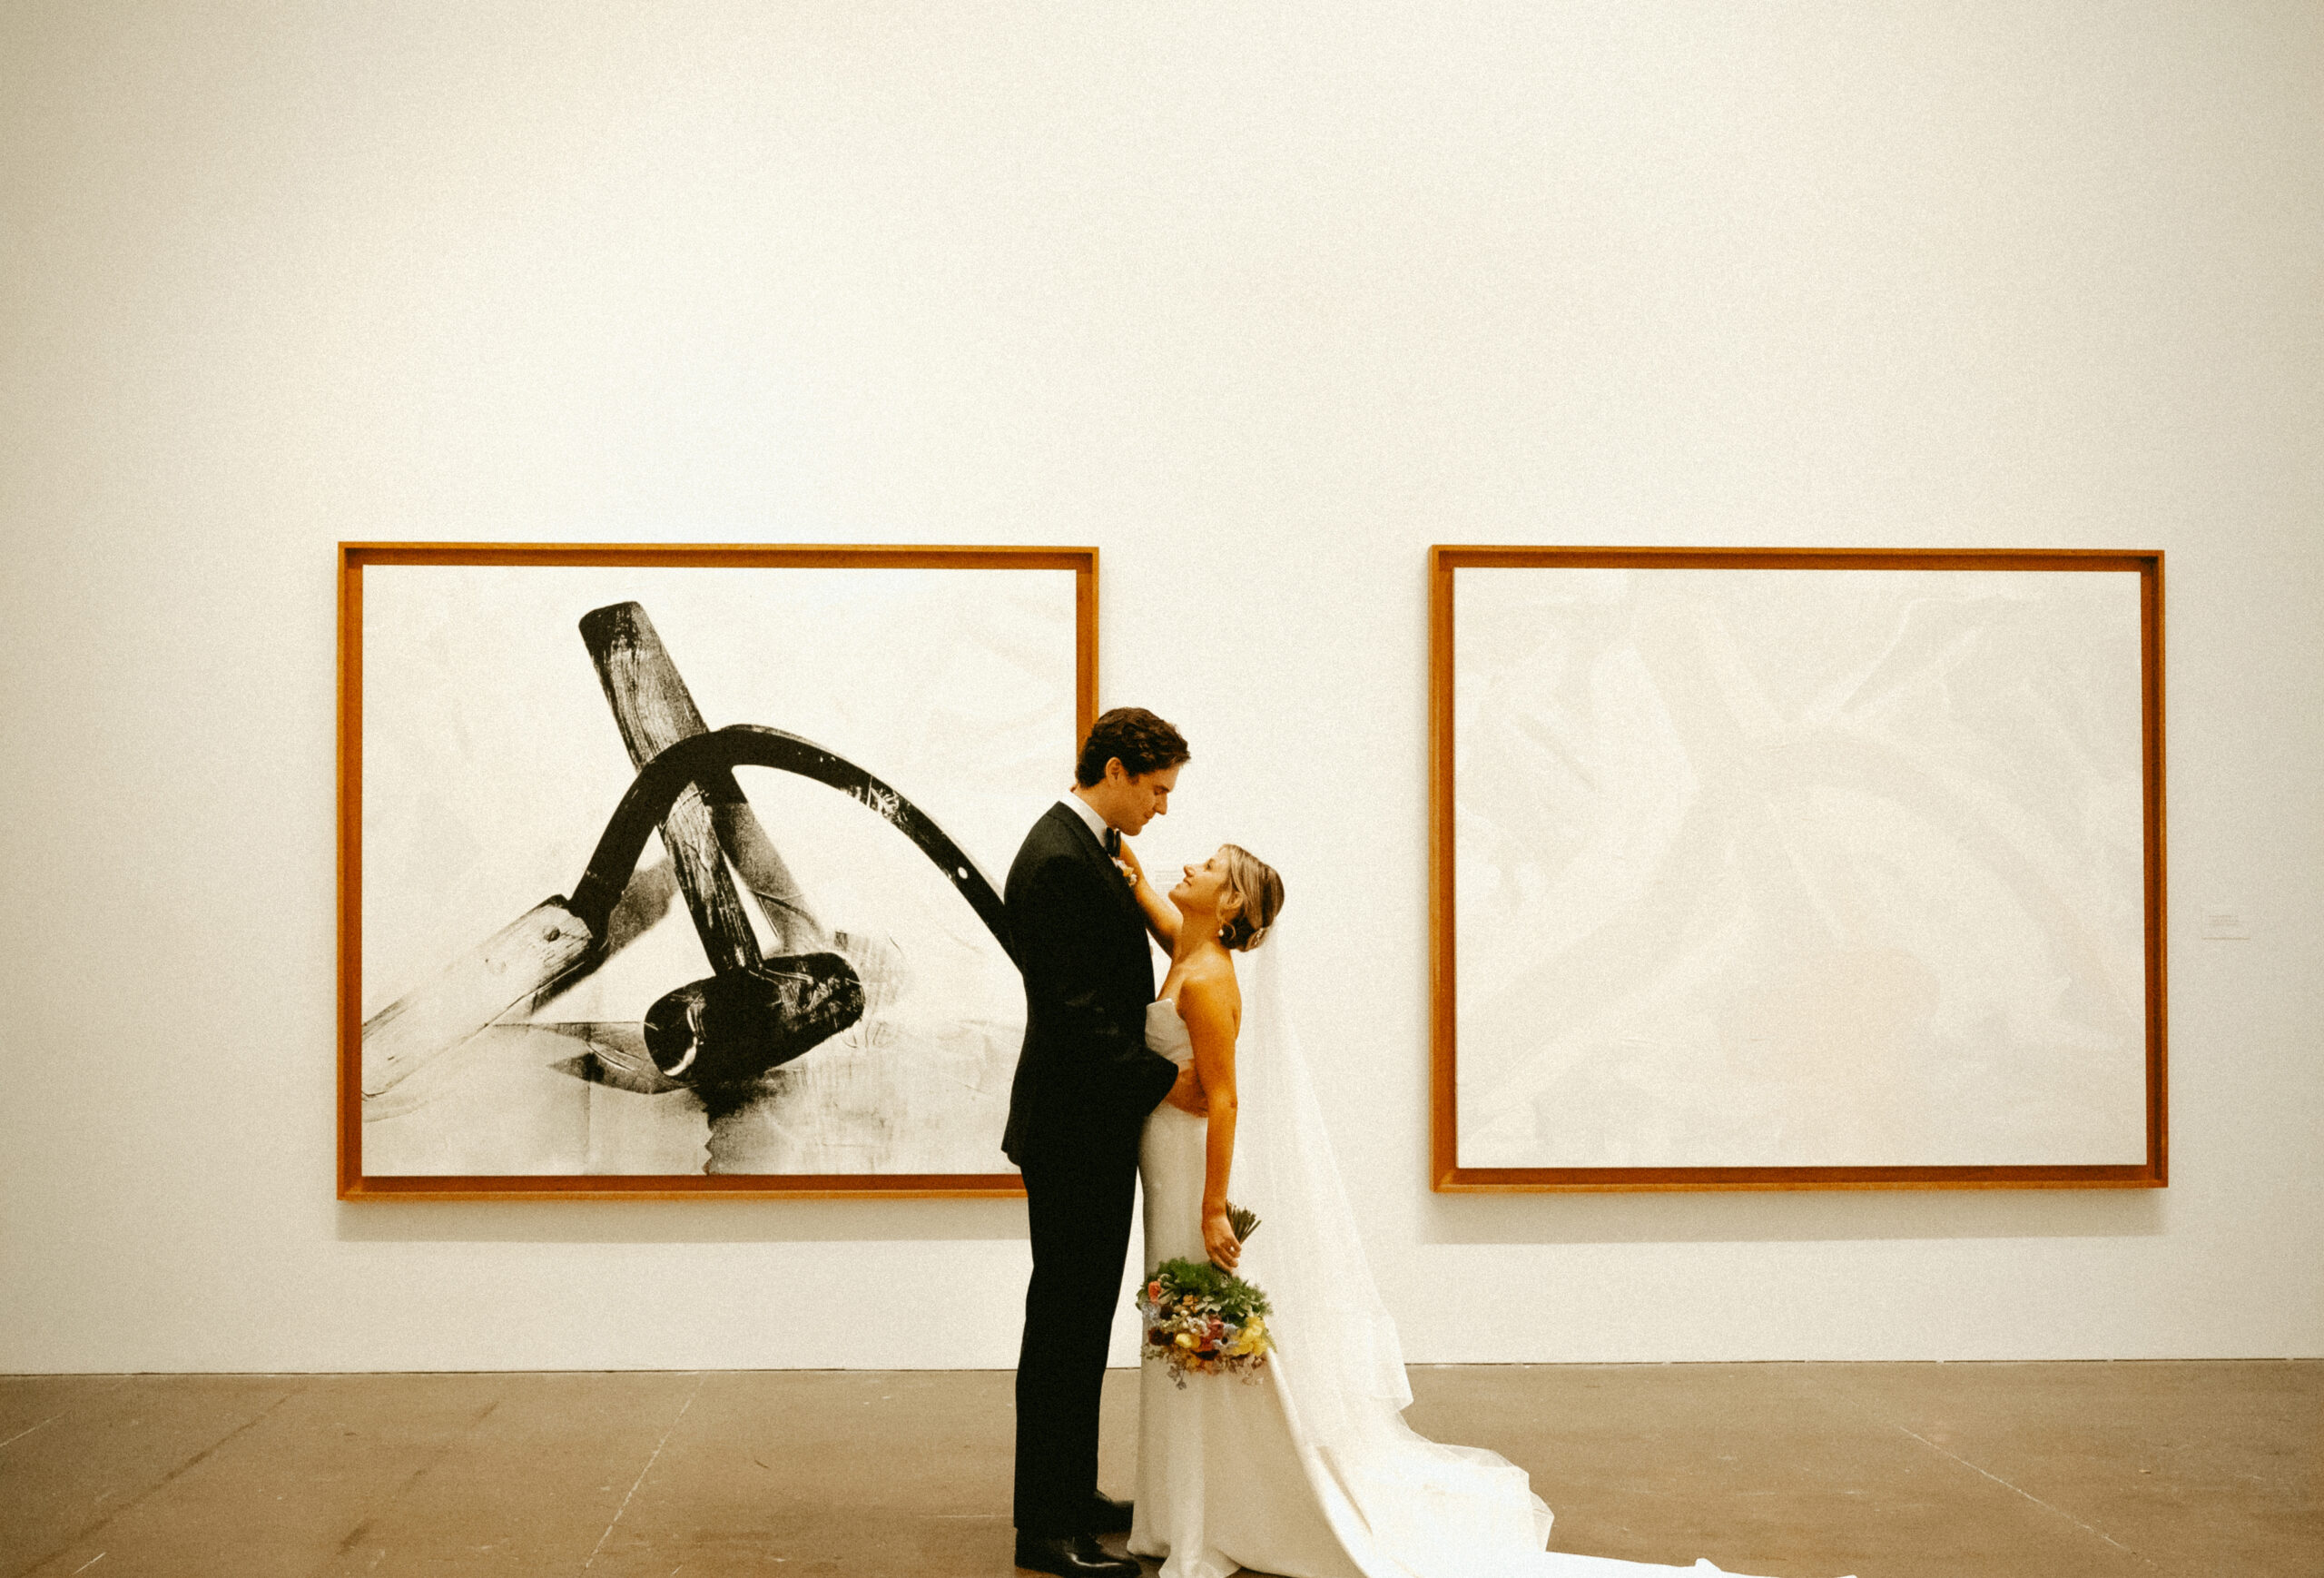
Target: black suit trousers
pixel 1079 1204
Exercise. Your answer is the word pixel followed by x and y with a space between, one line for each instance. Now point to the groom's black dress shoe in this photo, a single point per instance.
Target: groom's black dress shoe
pixel 1073 1556
pixel 1108 1516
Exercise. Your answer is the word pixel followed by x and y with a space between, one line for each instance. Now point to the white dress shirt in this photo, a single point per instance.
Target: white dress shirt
pixel 1089 817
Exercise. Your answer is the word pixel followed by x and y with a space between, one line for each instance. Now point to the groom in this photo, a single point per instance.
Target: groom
pixel 1085 1082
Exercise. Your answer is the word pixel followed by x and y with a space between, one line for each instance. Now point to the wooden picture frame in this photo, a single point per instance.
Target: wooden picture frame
pixel 472 729
pixel 1614 1069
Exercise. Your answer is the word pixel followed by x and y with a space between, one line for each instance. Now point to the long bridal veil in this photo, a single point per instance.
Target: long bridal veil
pixel 1404 1504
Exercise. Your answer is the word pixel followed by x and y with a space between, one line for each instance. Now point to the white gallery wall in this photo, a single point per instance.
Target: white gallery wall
pixel 1262 300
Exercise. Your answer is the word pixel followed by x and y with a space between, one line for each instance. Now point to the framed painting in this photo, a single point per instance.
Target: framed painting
pixel 1796 869
pixel 672 870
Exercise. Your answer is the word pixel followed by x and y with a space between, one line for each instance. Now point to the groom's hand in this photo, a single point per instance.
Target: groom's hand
pixel 1187 1095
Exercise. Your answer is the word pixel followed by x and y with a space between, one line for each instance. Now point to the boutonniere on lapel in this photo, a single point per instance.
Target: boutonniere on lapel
pixel 1124 862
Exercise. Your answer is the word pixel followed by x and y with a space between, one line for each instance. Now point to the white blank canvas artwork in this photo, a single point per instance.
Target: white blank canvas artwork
pixel 1797 868
pixel 491 762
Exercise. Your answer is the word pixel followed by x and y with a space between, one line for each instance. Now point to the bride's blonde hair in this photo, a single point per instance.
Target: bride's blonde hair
pixel 1251 898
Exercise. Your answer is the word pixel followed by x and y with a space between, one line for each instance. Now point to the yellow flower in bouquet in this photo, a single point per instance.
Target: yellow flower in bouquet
pixel 1251 1339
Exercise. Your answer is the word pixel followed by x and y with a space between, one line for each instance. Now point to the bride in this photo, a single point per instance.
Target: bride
pixel 1312 1472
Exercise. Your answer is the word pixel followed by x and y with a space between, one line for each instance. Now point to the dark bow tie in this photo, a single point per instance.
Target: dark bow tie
pixel 1114 841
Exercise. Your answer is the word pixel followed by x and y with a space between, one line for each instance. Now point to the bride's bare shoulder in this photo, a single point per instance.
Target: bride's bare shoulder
pixel 1211 991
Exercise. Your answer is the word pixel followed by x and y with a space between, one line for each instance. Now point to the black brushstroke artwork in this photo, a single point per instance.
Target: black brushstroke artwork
pixel 719 1036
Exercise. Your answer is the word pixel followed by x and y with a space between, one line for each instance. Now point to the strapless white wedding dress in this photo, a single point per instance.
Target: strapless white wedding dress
pixel 1219 1478
pixel 1279 1479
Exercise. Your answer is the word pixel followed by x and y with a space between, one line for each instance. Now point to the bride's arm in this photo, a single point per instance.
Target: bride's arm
pixel 1161 914
pixel 1209 1013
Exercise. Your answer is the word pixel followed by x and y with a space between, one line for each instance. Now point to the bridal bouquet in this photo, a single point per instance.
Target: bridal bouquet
pixel 1202 1321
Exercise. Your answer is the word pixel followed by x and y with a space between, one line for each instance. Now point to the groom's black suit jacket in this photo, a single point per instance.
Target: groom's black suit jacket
pixel 1086 1079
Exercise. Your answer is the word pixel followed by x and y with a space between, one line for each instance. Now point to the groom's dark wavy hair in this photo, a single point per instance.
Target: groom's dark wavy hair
pixel 1144 743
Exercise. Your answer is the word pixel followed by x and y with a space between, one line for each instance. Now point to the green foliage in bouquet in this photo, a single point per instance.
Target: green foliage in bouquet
pixel 1221 1293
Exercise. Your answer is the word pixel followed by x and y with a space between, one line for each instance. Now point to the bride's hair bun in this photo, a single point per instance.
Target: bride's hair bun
pixel 1255 894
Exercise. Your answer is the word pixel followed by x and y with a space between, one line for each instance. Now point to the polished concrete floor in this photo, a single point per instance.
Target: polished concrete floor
pixel 1884 1470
